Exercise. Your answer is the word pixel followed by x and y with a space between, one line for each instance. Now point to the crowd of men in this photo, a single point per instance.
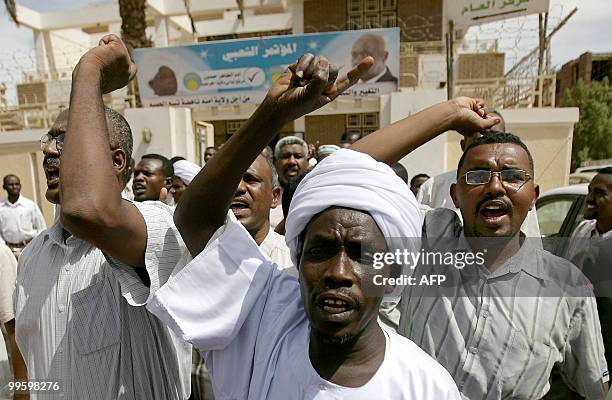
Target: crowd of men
pixel 255 277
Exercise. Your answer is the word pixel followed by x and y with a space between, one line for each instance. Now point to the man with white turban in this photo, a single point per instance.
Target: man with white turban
pixel 184 172
pixel 260 339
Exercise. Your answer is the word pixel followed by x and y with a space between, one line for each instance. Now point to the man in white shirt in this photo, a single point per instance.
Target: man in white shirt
pixel 255 196
pixel 20 218
pixel 598 218
pixel 269 343
pixel 589 248
pixel 82 283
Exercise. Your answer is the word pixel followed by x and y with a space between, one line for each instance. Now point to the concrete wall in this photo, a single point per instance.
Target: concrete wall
pixel 171 131
pixel 431 157
pixel 20 155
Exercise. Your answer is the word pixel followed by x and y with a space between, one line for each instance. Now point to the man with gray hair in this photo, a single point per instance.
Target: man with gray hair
pixel 291 155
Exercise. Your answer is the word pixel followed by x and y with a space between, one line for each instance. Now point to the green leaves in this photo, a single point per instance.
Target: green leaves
pixel 593 133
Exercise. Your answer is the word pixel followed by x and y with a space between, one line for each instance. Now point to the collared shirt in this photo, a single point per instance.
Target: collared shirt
pixel 80 320
pixel 276 216
pixel 435 193
pixel 275 249
pixel 8 273
pixel 499 334
pixel 581 243
pixel 257 347
pixel 20 221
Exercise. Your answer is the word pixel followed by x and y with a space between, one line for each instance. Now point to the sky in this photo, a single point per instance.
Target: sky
pixel 589 30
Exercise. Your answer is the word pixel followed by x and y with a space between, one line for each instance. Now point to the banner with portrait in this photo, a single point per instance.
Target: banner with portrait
pixel 233 72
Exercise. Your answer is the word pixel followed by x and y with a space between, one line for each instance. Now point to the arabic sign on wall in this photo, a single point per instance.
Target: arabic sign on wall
pixel 465 12
pixel 241 71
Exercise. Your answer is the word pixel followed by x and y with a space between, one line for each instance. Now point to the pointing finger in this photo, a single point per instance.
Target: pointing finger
pixel 352 77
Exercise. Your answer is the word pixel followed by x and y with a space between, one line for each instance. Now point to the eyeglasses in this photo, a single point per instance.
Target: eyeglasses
pixel 513 179
pixel 48 138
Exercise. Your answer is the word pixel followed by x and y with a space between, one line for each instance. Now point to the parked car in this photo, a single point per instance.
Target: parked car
pixel 577 178
pixel 586 174
pixel 560 210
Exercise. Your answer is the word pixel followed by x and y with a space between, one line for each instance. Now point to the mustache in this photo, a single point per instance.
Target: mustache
pixel 489 197
pixel 51 162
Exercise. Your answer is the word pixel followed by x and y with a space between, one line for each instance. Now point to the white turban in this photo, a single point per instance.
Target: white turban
pixel 327 149
pixel 186 170
pixel 354 180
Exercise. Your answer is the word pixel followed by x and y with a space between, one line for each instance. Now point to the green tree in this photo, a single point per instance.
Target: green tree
pixel 593 133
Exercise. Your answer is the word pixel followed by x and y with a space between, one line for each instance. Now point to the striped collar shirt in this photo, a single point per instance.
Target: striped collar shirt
pixel 80 320
pixel 20 221
pixel 584 239
pixel 500 333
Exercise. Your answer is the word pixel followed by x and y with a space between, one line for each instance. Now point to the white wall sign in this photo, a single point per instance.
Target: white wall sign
pixel 465 13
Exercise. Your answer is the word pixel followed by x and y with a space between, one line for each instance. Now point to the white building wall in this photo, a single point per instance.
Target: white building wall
pixel 431 157
pixel 171 131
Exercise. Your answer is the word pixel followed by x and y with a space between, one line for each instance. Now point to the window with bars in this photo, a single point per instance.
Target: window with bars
pixel 366 14
pixel 362 124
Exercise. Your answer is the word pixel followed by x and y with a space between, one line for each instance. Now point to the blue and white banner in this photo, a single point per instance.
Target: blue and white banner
pixel 232 72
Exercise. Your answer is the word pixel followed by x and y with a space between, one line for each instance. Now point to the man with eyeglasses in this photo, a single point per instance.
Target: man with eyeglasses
pixel 435 192
pixel 82 284
pixel 507 311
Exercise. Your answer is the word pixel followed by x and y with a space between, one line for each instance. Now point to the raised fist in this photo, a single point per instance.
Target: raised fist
pixel 471 116
pixel 112 58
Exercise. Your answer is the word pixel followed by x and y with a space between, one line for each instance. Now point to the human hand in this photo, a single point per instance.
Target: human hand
pixel 471 116
pixel 310 84
pixel 112 59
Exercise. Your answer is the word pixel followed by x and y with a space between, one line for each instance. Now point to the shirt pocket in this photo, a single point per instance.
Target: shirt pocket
pixel 526 367
pixel 25 222
pixel 95 318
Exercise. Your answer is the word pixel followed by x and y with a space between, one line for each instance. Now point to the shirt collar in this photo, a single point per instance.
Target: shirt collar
pixel 269 242
pixel 15 204
pixel 56 234
pixel 376 78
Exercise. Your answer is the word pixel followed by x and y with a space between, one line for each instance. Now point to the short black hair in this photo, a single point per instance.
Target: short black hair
pixel 176 158
pixel 10 176
pixel 417 176
pixel 167 167
pixel 493 138
pixel 120 135
pixel 400 171
pixel 607 171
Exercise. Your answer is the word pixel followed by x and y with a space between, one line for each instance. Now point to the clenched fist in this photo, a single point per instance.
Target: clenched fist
pixel 112 59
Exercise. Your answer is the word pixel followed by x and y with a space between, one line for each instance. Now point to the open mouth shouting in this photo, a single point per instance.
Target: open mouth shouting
pixel 239 207
pixel 494 212
pixel 51 168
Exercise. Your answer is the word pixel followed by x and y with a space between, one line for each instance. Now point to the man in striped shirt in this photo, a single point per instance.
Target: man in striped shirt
pixel 498 325
pixel 82 282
